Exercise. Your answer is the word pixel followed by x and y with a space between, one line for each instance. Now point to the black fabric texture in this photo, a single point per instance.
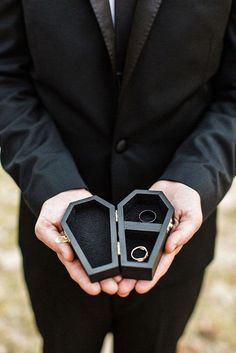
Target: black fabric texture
pixel 90 225
pixel 82 321
pixel 140 238
pixel 170 310
pixel 140 203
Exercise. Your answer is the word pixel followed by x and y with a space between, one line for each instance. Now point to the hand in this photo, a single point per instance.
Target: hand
pixel 48 228
pixel 188 219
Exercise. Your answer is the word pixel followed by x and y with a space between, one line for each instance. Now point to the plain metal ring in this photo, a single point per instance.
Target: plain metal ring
pixel 60 239
pixel 140 259
pixel 147 212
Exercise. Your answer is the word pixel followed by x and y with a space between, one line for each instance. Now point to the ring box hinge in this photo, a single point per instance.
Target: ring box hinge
pixel 118 248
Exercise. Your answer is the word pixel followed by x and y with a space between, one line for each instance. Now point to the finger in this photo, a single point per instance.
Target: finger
pixel 142 286
pixel 78 274
pixel 117 278
pixel 109 286
pixel 181 235
pixel 47 233
pixel 126 286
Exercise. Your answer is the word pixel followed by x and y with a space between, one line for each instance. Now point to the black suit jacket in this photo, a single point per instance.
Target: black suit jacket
pixel 61 121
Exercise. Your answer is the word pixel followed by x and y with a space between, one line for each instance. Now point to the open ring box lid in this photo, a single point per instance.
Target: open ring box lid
pixel 103 237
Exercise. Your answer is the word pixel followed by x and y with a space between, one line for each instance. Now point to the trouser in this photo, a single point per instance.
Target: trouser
pixel 70 321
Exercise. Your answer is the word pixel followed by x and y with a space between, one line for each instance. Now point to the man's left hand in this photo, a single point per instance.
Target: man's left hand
pixel 188 219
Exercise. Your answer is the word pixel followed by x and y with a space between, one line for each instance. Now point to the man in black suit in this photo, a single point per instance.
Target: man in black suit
pixel 88 109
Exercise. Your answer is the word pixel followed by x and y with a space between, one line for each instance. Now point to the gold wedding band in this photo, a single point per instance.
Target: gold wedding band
pixel 143 249
pixel 60 239
pixel 170 226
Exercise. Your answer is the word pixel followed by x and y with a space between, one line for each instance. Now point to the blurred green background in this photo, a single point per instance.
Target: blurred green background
pixel 213 325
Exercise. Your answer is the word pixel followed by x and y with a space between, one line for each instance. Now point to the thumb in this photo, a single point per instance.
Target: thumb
pixel 48 233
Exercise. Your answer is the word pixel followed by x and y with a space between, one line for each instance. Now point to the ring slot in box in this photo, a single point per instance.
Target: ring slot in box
pixel 127 241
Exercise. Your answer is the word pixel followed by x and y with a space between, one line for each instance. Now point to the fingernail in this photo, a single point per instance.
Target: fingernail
pixel 117 279
pixel 123 295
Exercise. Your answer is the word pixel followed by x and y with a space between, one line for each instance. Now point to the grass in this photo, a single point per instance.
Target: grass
pixel 211 330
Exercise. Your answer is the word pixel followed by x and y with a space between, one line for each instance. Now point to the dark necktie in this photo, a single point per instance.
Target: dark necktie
pixel 124 11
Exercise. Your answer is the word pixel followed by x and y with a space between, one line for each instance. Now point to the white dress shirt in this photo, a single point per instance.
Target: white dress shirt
pixel 112 6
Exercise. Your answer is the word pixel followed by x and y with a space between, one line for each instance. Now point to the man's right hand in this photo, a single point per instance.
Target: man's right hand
pixel 47 229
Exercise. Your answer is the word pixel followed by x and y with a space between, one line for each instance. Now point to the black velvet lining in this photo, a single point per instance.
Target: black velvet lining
pixel 90 224
pixel 145 202
pixel 136 238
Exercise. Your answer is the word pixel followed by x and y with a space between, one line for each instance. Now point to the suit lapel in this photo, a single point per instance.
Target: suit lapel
pixel 145 14
pixel 102 12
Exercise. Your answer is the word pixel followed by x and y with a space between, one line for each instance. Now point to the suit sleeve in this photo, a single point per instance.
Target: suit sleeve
pixel 206 161
pixel 32 150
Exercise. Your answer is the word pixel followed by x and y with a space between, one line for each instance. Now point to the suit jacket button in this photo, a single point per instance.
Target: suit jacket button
pixel 121 146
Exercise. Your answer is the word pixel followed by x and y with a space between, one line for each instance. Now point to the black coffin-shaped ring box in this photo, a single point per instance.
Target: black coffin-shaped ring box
pixel 127 241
